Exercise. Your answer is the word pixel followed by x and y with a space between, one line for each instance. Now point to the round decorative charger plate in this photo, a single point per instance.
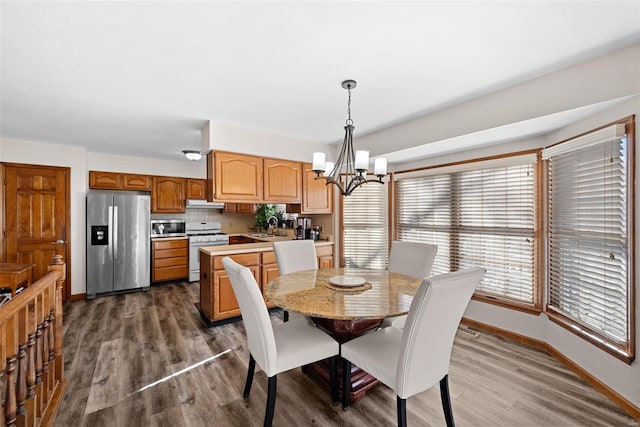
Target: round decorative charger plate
pixel 349 289
pixel 347 281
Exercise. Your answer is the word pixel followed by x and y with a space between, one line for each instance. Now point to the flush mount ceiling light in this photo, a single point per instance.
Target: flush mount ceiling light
pixel 192 154
pixel 349 171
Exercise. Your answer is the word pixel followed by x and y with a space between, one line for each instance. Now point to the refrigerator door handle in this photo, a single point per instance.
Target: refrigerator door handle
pixel 115 233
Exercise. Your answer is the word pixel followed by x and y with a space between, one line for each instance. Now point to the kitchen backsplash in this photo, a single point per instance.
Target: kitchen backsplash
pixel 236 223
pixel 231 223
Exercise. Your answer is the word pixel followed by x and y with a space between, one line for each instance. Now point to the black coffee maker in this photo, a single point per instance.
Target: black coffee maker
pixel 303 228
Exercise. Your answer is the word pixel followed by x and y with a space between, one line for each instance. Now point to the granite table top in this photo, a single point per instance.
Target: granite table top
pixel 311 293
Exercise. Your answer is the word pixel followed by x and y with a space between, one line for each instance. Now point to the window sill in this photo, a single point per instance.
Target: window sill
pixel 512 305
pixel 625 355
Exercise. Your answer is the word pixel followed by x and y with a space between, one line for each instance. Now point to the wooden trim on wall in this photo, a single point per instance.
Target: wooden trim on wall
pixel 78 297
pixel 67 235
pixel 3 189
pixel 607 391
pixel 540 238
pixel 502 302
pixel 630 123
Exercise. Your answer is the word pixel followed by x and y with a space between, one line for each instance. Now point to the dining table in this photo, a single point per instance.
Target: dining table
pixel 346 303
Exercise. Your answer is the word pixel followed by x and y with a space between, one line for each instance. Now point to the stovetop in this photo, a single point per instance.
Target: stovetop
pixel 205 228
pixel 206 233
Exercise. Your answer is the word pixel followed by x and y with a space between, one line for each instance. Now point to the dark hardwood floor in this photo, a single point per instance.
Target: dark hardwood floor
pixel 147 359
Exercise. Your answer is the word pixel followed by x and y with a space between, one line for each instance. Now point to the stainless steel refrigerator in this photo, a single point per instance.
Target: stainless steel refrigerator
pixel 118 242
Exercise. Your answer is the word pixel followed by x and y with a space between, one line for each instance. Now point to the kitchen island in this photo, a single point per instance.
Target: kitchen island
pixel 218 303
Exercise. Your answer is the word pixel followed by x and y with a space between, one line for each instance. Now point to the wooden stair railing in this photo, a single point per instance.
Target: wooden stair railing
pixel 31 354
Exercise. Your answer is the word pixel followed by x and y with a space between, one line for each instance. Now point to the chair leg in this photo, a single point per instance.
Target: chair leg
pixel 446 401
pixel 402 411
pixel 247 384
pixel 346 384
pixel 333 366
pixel 285 316
pixel 271 400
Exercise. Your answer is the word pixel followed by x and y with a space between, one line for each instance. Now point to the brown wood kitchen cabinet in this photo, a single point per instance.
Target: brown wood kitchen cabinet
pixel 170 259
pixel 325 256
pixel 196 188
pixel 236 177
pixel 217 300
pixel 246 208
pixel 240 178
pixel 269 269
pixel 168 195
pixel 282 181
pixel 119 181
pixel 317 196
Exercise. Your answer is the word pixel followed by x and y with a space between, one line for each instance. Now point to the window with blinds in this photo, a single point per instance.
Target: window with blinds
pixel 365 227
pixel 589 253
pixel 479 214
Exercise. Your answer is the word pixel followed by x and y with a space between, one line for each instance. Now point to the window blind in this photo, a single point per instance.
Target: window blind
pixel 477 217
pixel 365 227
pixel 588 237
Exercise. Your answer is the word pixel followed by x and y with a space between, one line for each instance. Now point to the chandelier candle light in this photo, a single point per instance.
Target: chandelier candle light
pixel 349 171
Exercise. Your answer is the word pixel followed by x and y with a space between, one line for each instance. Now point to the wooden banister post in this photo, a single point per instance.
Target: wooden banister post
pixel 61 267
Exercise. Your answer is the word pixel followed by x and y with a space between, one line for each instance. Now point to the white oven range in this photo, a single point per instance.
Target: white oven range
pixel 202 234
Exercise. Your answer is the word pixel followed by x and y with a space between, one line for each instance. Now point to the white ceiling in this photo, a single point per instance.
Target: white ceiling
pixel 141 78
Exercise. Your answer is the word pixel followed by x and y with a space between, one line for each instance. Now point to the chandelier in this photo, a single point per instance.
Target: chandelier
pixel 350 170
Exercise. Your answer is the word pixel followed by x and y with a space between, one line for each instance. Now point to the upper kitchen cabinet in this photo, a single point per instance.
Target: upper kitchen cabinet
pixel 237 177
pixel 119 181
pixel 282 181
pixel 245 208
pixel 168 195
pixel 317 196
pixel 196 188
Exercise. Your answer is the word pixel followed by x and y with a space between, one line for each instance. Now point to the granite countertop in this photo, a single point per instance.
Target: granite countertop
pixel 244 248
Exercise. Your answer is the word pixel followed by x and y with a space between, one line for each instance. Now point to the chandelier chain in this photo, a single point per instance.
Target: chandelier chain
pixel 349 121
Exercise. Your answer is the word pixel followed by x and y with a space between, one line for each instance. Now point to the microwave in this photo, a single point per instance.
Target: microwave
pixel 168 228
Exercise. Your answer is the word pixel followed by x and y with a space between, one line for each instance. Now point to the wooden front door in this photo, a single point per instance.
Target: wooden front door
pixel 37 221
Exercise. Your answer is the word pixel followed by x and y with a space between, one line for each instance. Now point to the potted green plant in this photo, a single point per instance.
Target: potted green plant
pixel 263 213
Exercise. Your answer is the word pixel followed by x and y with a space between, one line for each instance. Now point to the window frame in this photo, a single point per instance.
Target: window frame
pixel 626 353
pixel 536 307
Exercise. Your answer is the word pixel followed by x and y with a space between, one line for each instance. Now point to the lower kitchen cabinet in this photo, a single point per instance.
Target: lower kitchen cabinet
pixel 170 259
pixel 269 270
pixel 325 256
pixel 217 299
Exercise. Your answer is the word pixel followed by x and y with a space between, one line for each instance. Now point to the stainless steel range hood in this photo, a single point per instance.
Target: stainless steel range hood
pixel 203 204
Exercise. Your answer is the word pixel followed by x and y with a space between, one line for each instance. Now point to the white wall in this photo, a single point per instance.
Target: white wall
pixel 623 378
pixel 606 78
pixel 225 137
pixel 81 162
pixel 112 163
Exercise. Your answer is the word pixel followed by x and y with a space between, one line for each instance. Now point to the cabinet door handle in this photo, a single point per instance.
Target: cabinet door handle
pixel 59 242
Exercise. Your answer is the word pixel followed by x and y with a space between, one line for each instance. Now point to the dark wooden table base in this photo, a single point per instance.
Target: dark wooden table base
pixel 343 331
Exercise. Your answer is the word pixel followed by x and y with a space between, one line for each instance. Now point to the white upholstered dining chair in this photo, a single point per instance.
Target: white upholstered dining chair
pixel 411 259
pixel 295 255
pixel 277 348
pixel 413 359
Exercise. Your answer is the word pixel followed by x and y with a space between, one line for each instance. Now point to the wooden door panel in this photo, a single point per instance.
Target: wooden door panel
pixel 36 216
pixel 34 254
pixel 283 181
